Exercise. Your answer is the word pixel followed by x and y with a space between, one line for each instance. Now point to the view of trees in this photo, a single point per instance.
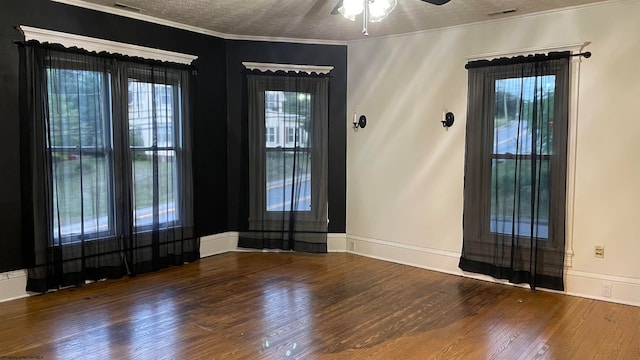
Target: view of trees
pixel 78 119
pixel 80 140
pixel 78 108
pixel 523 100
pixel 297 103
pixel 521 103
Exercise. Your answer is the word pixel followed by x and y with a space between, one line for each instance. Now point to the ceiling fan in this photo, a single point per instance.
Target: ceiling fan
pixel 336 11
pixel 372 10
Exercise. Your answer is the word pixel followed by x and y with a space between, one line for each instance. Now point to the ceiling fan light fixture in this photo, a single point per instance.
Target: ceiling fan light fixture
pixel 371 10
pixel 380 9
pixel 351 8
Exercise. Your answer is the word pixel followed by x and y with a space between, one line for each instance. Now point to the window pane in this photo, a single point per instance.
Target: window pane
pixel 517 123
pixel 512 209
pixel 78 108
pixel 289 114
pixel 288 174
pixel 288 177
pixel 152 136
pixel 150 114
pixel 143 187
pixel 80 193
pixel 80 141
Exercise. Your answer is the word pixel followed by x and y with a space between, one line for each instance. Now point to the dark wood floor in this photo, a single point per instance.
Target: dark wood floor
pixel 330 306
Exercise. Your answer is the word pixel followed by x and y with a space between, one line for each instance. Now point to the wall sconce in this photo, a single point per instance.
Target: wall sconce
pixel 359 122
pixel 448 119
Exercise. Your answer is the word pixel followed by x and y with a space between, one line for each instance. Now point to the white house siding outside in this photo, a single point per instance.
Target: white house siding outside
pixel 143 111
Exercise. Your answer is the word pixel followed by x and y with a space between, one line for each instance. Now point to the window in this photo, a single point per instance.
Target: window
pixel 82 134
pixel 288 167
pixel 287 189
pixel 522 126
pixel 105 164
pixel 271 135
pixel 152 124
pixel 274 101
pixel 515 169
pixel 81 148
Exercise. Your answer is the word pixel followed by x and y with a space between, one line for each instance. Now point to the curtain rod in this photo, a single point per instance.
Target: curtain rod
pixel 586 54
pixel 522 59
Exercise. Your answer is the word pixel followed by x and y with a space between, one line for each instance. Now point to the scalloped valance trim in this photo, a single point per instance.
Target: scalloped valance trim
pixel 309 69
pixel 100 45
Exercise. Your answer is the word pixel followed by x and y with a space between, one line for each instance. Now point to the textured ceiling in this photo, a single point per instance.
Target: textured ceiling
pixel 312 19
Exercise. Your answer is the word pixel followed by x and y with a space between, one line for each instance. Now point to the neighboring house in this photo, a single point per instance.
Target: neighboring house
pixel 147 118
pixel 283 129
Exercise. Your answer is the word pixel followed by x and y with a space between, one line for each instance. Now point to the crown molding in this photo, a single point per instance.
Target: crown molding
pixel 309 69
pixel 492 21
pixel 195 29
pixel 98 45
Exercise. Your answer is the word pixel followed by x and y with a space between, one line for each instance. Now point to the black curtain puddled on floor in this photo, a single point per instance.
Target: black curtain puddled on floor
pixel 288 127
pixel 515 169
pixel 106 165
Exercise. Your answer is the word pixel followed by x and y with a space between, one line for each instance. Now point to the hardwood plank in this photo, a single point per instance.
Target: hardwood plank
pixel 325 306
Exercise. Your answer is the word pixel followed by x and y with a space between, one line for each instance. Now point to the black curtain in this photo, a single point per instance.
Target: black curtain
pixel 106 165
pixel 515 169
pixel 288 128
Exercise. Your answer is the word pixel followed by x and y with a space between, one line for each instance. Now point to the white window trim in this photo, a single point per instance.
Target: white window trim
pixel 98 45
pixel 309 69
pixel 572 131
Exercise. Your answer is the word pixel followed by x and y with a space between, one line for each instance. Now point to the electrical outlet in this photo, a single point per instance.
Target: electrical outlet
pixel 606 290
pixel 352 245
pixel 599 251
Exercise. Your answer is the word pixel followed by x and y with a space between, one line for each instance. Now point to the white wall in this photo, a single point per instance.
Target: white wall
pixel 405 172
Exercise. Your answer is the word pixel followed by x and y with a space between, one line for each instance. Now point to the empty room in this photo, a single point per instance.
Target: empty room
pixel 319 179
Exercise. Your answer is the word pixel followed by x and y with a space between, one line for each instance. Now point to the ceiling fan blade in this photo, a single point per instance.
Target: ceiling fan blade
pixel 315 9
pixel 335 9
pixel 437 2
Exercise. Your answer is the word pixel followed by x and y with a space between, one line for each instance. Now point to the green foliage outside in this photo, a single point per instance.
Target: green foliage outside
pixel 511 187
pixel 82 187
pixel 279 165
pixel 297 103
pixel 77 108
pixel 510 106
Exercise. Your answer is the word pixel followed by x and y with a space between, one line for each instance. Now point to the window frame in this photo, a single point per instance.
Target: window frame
pixel 484 233
pixel 292 141
pixel 112 148
pixel 176 117
pixel 258 217
pixel 493 156
pixel 106 152
pixel 271 137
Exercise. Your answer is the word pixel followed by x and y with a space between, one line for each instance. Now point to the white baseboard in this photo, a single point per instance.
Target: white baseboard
pixel 218 243
pixel 13 285
pixel 337 242
pixel 624 290
pixel 225 242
